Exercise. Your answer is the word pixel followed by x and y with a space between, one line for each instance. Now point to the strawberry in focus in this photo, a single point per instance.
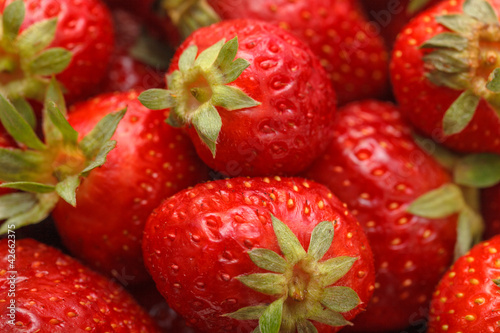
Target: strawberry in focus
pixel 210 249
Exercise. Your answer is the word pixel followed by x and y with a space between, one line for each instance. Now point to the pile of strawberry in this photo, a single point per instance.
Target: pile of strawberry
pixel 250 166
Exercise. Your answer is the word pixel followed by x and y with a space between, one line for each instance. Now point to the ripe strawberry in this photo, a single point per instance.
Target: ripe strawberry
pixel 337 31
pixel 466 299
pixel 374 166
pixel 80 37
pixel 209 250
pixel 490 207
pixel 445 77
pixel 267 112
pixel 44 290
pixel 151 162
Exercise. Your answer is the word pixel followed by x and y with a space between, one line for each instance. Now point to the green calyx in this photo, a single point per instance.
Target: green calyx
pixel 300 282
pixel 468 59
pixel 26 64
pixel 199 86
pixel 416 5
pixel 49 170
pixel 190 15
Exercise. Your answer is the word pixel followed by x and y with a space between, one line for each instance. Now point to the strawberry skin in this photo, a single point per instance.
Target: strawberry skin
pixel 291 126
pixel 151 161
pixel 196 245
pixel 85 28
pixel 374 166
pixel 425 103
pixel 490 207
pixel 56 293
pixel 466 299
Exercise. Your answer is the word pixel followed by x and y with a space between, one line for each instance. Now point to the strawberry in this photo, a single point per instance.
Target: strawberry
pixel 337 31
pixel 210 249
pixel 466 299
pixel 267 112
pixel 151 162
pixel 444 70
pixel 490 200
pixel 74 39
pixel 374 166
pixel 44 290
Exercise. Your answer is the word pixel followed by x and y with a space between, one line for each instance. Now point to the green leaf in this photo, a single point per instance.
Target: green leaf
pixel 416 5
pixel 460 113
pixel 494 83
pixel 69 134
pixel 438 203
pixel 482 10
pixel 54 94
pixel 32 187
pixel 457 22
pixel 25 110
pixel 13 204
pixel 36 37
pixel 231 98
pixel 445 61
pixel 288 242
pixel 19 165
pixel 334 269
pixel 38 213
pixel 270 321
pixel 157 99
pixel 12 19
pixel 266 283
pixel 497 282
pixel 50 62
pixel 209 55
pixel 268 260
pixel 470 228
pixel 67 189
pixel 321 240
pixel 478 170
pixel 340 299
pixel 233 71
pixel 331 318
pixel 93 142
pixel 187 58
pixel 248 313
pixel 17 126
pixel 100 158
pixel 227 53
pixel 447 40
pixel 305 326
pixel 208 123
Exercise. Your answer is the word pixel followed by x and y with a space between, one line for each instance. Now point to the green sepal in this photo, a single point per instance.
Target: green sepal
pixel 157 99
pixel 305 326
pixel 13 204
pixel 288 242
pixel 100 158
pixel 447 40
pixel 494 83
pixel 270 321
pixel 31 187
pixel 208 124
pixel 331 318
pixel 470 227
pixel 321 240
pixel 457 22
pixel 50 62
pixel 334 269
pixel 438 203
pixel 460 113
pixel 248 313
pixel 20 165
pixel 446 62
pixel 36 37
pixel 478 170
pixel 266 283
pixel 187 58
pixel 268 260
pixel 496 282
pixel 189 16
pixel 12 19
pixel 481 10
pixel 25 110
pixel 69 135
pixel 92 143
pixel 54 95
pixel 17 126
pixel 416 5
pixel 67 189
pixel 38 212
pixel 208 56
pixel 340 299
pixel 231 98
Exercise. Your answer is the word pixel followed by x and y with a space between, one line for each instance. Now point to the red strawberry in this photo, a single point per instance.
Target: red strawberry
pixel 267 112
pixel 444 73
pixel 151 162
pixel 466 299
pixel 490 207
pixel 374 166
pixel 84 28
pixel 210 250
pixel 337 32
pixel 44 290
